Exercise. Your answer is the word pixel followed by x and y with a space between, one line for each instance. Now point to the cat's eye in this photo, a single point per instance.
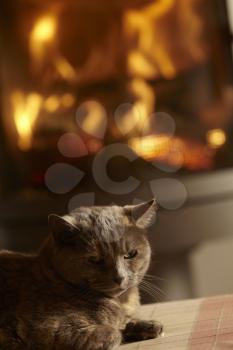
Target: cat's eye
pixel 131 254
pixel 95 259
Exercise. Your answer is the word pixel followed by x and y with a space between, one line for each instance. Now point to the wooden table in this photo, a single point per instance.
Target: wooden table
pixel 201 324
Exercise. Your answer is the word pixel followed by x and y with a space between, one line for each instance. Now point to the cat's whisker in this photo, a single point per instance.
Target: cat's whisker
pixel 152 283
pixel 151 288
pixel 153 277
pixel 157 289
pixel 151 293
pixel 154 291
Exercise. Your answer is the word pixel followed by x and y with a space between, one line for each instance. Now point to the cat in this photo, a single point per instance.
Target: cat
pixel 81 290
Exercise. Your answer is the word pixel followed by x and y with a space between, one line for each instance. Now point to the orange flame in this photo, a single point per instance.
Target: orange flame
pixel 26 109
pixel 42 35
pixel 152 53
pixel 173 151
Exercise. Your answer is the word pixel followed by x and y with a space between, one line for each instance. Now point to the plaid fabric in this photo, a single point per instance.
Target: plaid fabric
pixel 202 324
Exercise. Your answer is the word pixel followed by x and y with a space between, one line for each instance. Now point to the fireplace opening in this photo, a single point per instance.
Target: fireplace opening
pixel 153 75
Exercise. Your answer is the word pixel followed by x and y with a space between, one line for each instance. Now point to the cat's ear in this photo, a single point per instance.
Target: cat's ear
pixel 63 230
pixel 144 214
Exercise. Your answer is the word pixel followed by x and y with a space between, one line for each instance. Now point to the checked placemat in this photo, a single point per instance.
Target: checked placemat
pixel 201 324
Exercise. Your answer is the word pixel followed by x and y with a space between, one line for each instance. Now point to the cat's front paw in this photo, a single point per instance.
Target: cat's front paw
pixel 142 330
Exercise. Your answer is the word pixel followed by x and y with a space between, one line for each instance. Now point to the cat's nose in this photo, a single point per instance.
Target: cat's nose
pixel 118 280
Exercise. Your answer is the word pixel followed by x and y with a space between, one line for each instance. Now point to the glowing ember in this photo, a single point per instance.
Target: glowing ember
pixel 52 103
pixel 158 147
pixel 55 102
pixel 68 100
pixel 216 138
pixel 150 146
pixel 173 151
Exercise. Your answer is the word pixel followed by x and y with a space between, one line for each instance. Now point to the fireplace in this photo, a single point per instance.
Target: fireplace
pixel 115 102
pixel 153 76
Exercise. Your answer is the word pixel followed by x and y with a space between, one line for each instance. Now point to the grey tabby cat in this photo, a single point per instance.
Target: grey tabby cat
pixel 81 291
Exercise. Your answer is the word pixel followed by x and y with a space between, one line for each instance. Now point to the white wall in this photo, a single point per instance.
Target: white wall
pixel 212 268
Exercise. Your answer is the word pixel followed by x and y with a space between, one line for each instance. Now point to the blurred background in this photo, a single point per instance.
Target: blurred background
pixel 116 102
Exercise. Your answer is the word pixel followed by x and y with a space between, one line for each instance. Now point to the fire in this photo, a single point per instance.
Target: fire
pixel 152 52
pixel 139 60
pixel 26 109
pixel 43 43
pixel 156 147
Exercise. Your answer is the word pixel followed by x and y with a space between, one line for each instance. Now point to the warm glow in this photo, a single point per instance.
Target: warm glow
pixel 44 29
pixel 67 100
pixel 26 109
pixel 150 147
pixel 216 138
pixel 173 151
pixel 52 103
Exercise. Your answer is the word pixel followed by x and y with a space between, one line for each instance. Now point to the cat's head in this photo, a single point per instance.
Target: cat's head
pixel 105 248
